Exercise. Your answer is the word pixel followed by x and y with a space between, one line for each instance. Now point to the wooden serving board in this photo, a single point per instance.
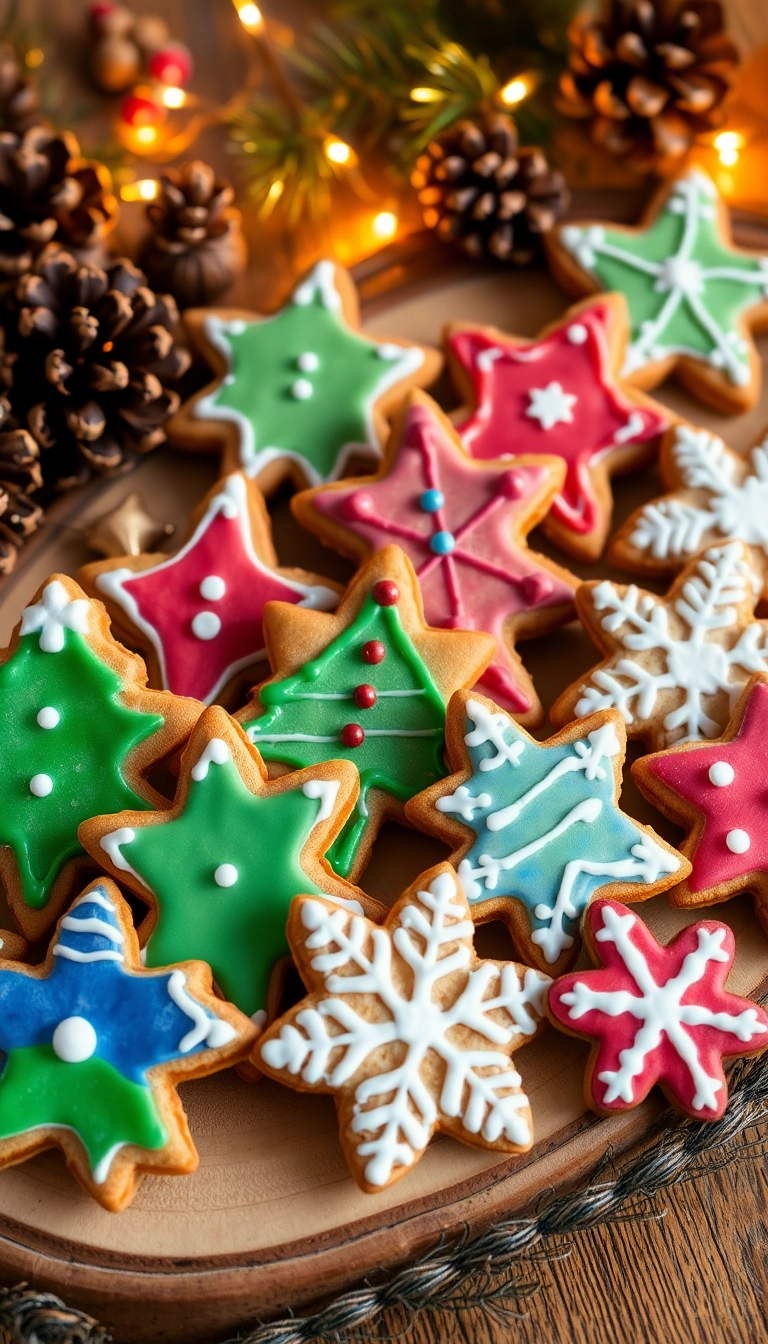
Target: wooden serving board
pixel 271 1219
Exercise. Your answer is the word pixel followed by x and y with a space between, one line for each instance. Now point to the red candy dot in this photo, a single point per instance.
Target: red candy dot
pixel 537 588
pixel 386 593
pixel 359 506
pixel 352 735
pixel 364 696
pixel 374 651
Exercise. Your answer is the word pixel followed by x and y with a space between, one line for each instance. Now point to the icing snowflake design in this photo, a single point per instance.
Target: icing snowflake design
pixel 723 496
pixel 687 289
pixel 433 1049
pixel 696 648
pixel 53 614
pixel 658 1014
pixel 551 406
pixel 548 829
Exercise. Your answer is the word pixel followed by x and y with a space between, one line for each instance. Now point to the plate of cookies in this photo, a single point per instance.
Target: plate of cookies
pixel 383 846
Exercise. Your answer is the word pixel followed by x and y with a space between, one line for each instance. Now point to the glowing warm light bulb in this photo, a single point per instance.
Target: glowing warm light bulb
pixel 146 135
pixel 728 144
pixel 144 190
pixel 426 95
pixel 34 57
pixel 514 92
pixel 337 151
pixel 385 224
pixel 174 97
pixel 250 16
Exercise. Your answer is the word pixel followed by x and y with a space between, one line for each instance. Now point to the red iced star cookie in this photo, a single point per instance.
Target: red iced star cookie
pixel 463 524
pixel 198 613
pixel 559 394
pixel 656 1014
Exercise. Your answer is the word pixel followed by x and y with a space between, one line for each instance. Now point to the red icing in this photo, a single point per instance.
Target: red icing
pixel 660 1061
pixel 386 593
pixel 352 735
pixel 364 696
pixel 741 805
pixel 499 425
pixel 374 651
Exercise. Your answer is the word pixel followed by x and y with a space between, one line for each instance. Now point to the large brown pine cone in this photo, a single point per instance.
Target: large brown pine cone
pixel 49 194
pixel 19 477
pixel 652 75
pixel 196 248
pixel 19 98
pixel 86 355
pixel 477 188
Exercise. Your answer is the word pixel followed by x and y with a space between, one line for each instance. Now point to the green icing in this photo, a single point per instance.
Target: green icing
pixel 265 372
pixel 687 291
pixel 83 755
pixel 239 930
pixel 404 733
pixel 103 1108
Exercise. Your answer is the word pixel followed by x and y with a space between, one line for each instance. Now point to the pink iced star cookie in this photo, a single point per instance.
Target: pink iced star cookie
pixel 198 613
pixel 463 525
pixel 656 1014
pixel 560 395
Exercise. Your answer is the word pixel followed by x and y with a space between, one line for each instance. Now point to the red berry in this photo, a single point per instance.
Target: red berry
pixel 352 735
pixel 374 651
pixel 171 64
pixel 140 110
pixel 364 696
pixel 386 593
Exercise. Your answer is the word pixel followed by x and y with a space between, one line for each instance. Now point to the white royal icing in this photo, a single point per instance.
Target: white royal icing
pixel 53 614
pixel 551 405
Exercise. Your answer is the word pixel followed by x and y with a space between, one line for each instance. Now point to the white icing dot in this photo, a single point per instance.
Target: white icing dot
pixel 308 362
pixel 302 389
pixel 40 785
pixel 74 1040
pixel 389 351
pixel 738 841
pixel 577 333
pixel 206 625
pixel 226 875
pixel 212 588
pixel 228 379
pixel 48 717
pixel 721 774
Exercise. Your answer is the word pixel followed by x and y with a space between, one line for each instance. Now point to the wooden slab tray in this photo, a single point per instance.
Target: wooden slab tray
pixel 271 1219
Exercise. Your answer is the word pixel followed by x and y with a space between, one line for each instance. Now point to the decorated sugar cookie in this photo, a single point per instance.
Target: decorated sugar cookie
pixel 717 790
pixel 655 1014
pixel 463 524
pixel 78 733
pixel 408 1029
pixel 199 613
pixel 299 394
pixel 560 395
pixel 714 495
pixel 369 684
pixel 94 1046
pixel 674 665
pixel 694 298
pixel 537 827
pixel 220 868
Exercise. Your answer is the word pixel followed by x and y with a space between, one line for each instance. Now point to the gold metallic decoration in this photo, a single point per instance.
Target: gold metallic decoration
pixel 127 530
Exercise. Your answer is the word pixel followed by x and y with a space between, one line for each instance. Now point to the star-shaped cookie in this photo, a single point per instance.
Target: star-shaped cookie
pixel 561 395
pixel 718 791
pixel 463 525
pixel 674 665
pixel 198 613
pixel 694 299
pixel 299 394
pixel 220 868
pixel 714 495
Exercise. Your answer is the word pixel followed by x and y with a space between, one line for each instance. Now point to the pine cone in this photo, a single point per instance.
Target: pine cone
pixel 19 99
pixel 477 188
pixel 19 476
pixel 651 74
pixel 48 193
pixel 196 248
pixel 85 357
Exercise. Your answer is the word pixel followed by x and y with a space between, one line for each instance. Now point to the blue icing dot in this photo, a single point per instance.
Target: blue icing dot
pixel 442 543
pixel 432 500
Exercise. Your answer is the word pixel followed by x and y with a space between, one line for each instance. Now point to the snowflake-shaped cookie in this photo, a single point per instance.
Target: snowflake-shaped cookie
pixel 408 1029
pixel 715 495
pixel 676 665
pixel 657 1014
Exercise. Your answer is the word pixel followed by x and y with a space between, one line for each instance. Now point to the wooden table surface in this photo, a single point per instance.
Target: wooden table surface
pixel 699 1272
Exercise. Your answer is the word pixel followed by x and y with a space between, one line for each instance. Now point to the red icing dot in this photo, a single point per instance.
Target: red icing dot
pixel 512 484
pixel 359 506
pixel 364 696
pixel 374 651
pixel 536 588
pixel 352 735
pixel 386 593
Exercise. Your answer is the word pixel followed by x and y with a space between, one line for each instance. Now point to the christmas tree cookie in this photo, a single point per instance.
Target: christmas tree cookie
pixel 94 1046
pixel 463 525
pixel 537 827
pixel 369 684
pixel 220 868
pixel 301 393
pixel 694 299
pixel 78 733
pixel 558 395
pixel 408 1029
pixel 198 614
